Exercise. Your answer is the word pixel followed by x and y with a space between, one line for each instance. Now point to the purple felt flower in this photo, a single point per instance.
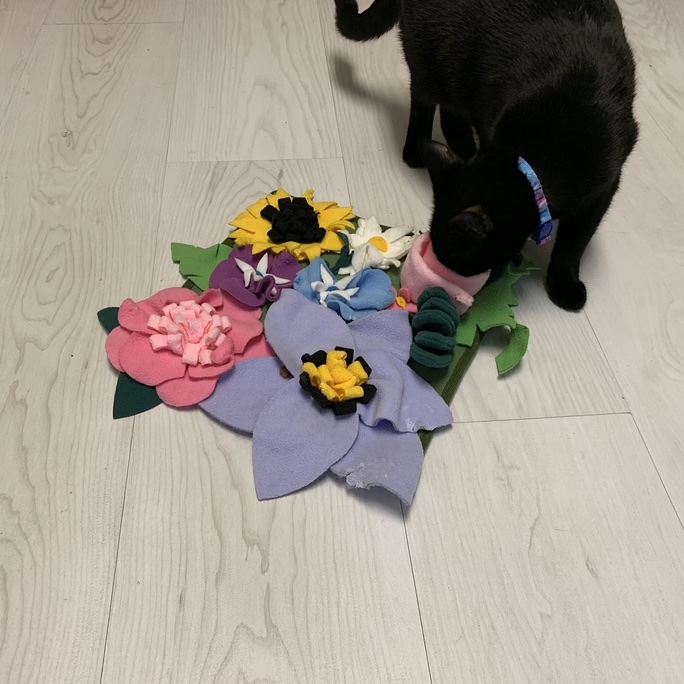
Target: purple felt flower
pixel 295 440
pixel 255 279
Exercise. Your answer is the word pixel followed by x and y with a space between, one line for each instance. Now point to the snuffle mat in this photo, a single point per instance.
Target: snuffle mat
pixel 337 343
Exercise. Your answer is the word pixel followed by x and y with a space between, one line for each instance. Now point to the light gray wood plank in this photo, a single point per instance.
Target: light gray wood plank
pixel 80 190
pixel 20 24
pixel 252 84
pixel 637 310
pixel 213 585
pixel 548 550
pixel 116 11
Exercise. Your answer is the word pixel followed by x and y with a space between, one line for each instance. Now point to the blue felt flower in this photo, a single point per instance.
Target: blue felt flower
pixel 353 297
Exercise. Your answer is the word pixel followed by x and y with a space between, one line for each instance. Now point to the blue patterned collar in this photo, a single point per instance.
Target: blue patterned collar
pixel 545 230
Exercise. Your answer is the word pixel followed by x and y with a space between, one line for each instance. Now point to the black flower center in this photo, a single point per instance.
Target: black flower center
pixel 293 221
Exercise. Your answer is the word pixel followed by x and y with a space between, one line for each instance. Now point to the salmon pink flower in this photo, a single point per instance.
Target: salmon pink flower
pixel 181 343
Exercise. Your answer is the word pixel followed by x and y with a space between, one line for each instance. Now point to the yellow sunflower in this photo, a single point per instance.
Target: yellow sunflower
pixel 252 228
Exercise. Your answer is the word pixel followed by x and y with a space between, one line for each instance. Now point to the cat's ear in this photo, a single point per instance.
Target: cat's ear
pixel 472 224
pixel 437 157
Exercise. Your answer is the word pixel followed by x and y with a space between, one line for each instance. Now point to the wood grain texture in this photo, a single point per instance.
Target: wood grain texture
pixel 252 84
pixel 638 315
pixel 80 183
pixel 565 372
pixel 20 24
pixel 656 31
pixel 213 585
pixel 370 84
pixel 548 551
pixel 115 11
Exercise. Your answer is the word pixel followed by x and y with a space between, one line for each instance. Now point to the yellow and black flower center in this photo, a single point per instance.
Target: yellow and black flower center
pixel 337 381
pixel 293 221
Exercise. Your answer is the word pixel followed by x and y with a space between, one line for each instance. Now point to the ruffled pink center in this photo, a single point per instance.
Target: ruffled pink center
pixel 193 331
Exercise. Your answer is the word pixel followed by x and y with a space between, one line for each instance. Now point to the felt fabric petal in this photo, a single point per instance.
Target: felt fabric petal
pixel 115 340
pixel 186 391
pixel 389 331
pixel 257 348
pixel 295 442
pixel 142 363
pixel 333 215
pixel 134 315
pixel 241 395
pixel 352 297
pixel 212 371
pixel 403 398
pixel 382 457
pixel 244 320
pixel 295 326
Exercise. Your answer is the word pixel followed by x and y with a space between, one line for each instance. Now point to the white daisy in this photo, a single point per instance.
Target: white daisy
pixel 371 247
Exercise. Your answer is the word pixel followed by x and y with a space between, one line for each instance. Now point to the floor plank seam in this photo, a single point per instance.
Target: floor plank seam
pixel 116 555
pixel 415 592
pixel 532 418
pixel 655 466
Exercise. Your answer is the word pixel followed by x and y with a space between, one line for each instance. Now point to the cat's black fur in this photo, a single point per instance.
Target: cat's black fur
pixel 549 80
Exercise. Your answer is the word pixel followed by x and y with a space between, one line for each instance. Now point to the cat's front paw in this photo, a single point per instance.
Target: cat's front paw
pixel 412 156
pixel 568 293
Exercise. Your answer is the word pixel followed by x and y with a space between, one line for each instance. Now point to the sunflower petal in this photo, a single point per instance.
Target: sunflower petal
pixel 334 215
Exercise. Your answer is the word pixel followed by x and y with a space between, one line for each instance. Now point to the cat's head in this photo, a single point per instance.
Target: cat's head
pixel 484 210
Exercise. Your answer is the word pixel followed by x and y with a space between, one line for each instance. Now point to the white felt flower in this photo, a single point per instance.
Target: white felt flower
pixel 371 247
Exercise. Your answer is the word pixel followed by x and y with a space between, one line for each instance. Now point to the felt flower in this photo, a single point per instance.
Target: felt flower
pixel 353 297
pixel 371 247
pixel 295 439
pixel 180 342
pixel 255 279
pixel 288 227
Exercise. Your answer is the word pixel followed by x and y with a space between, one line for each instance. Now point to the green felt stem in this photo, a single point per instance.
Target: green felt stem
pixel 447 381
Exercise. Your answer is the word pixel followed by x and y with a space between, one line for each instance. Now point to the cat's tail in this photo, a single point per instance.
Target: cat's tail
pixel 378 19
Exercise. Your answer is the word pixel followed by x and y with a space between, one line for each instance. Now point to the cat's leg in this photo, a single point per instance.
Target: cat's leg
pixel 421 119
pixel 574 233
pixel 458 134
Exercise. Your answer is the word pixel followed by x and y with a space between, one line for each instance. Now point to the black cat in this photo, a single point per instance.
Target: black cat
pixel 548 81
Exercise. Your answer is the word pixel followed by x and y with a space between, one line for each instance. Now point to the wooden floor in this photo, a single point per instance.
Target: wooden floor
pixel 545 543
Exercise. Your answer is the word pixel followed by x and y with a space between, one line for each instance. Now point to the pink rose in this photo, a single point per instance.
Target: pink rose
pixel 181 342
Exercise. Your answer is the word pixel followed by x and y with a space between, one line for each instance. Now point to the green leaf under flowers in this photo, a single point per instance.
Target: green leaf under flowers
pixel 132 397
pixel 198 263
pixel 493 308
pixel 109 318
pixel 512 355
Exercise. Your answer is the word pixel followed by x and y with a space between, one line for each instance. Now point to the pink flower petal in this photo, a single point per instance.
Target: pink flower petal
pixel 134 315
pixel 142 363
pixel 211 371
pixel 244 321
pixel 256 349
pixel 186 391
pixel 214 298
pixel 115 340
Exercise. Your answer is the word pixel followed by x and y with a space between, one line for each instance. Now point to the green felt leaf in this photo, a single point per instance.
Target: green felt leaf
pixel 198 263
pixel 510 357
pixel 493 305
pixel 109 318
pixel 132 397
